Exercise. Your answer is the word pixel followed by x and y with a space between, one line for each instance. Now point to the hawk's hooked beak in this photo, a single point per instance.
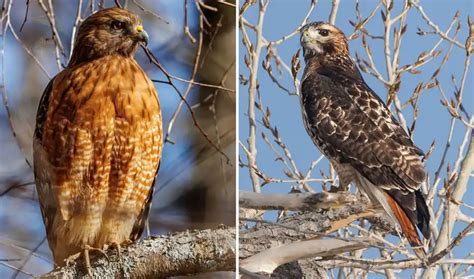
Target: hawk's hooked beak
pixel 305 38
pixel 142 34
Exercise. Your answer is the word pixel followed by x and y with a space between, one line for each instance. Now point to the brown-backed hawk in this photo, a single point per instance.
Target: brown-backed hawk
pixel 352 126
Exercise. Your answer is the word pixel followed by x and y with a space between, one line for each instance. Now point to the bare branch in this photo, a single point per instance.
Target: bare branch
pixel 460 188
pixel 333 14
pixel 254 63
pixel 268 260
pixel 301 201
pixel 163 256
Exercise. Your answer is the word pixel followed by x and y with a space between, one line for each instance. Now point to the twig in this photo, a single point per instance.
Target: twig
pixel 333 14
pixel 196 124
pixel 146 10
pixel 186 27
pixel 75 26
pixel 190 85
pixel 255 53
pixel 435 27
pixel 26 15
pixel 57 40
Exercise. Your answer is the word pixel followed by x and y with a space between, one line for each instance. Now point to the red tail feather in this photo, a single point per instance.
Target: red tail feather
pixel 408 228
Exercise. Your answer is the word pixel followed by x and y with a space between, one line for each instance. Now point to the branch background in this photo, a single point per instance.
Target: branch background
pixel 195 187
pixel 276 172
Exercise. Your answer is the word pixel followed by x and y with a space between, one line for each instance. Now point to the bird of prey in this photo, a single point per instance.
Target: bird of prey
pixel 98 140
pixel 356 131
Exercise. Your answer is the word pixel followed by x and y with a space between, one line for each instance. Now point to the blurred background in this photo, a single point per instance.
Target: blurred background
pixel 196 184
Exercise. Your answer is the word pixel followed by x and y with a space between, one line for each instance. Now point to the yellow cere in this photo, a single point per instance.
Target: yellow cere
pixel 139 28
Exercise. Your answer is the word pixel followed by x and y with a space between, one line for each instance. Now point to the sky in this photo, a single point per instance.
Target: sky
pixel 282 17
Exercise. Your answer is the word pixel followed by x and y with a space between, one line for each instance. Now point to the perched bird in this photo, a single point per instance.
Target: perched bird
pixel 352 126
pixel 98 140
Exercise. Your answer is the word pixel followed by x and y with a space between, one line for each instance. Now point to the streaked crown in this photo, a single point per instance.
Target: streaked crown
pixel 322 38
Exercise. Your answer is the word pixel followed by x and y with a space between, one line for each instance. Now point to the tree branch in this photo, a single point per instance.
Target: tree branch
pixel 294 229
pixel 268 260
pixel 300 201
pixel 162 256
pixel 460 189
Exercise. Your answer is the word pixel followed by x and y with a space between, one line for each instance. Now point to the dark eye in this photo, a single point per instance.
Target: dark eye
pixel 323 32
pixel 117 25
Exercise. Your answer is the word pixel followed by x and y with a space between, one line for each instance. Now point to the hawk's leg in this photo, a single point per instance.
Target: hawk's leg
pixel 345 174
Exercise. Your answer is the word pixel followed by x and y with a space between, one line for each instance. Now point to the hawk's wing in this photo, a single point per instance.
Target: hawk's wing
pixel 356 127
pixel 142 218
pixel 62 148
pixel 45 196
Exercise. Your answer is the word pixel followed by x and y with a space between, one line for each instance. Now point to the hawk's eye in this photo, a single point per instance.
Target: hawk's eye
pixel 117 24
pixel 323 32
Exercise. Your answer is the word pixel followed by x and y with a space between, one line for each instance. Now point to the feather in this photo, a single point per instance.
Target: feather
pixel 407 227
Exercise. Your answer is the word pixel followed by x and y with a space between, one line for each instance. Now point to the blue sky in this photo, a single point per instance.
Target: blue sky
pixel 283 17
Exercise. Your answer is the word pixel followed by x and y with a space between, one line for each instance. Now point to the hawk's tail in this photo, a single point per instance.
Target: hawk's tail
pixel 407 226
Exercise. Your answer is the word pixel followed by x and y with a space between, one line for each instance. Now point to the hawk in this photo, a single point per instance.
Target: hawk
pixel 356 131
pixel 98 140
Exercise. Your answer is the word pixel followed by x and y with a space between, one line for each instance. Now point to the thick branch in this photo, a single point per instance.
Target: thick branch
pixel 303 225
pixel 163 256
pixel 292 229
pixel 268 260
pixel 301 201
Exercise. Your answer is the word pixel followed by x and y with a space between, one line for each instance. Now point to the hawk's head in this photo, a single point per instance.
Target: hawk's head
pixel 322 38
pixel 108 31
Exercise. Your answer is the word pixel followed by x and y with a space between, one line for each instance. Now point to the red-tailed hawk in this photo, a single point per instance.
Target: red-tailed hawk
pixel 98 139
pixel 352 126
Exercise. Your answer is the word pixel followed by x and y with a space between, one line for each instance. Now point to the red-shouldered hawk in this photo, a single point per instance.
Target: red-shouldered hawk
pixel 352 126
pixel 98 139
